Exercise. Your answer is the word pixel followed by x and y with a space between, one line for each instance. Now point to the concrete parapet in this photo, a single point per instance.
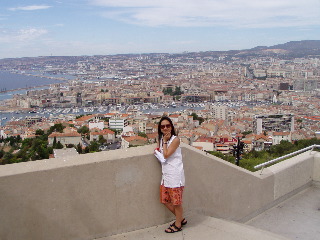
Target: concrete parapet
pixel 292 174
pixel 82 197
pixel 316 169
pixel 220 189
pixel 95 195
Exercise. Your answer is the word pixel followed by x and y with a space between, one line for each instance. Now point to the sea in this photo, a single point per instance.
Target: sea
pixel 10 81
pixel 19 83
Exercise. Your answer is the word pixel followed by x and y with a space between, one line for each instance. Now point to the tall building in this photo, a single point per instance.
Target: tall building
pixel 273 123
pixel 305 84
pixel 218 112
pixel 118 123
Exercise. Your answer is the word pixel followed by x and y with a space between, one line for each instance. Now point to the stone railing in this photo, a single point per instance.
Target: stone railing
pixel 94 195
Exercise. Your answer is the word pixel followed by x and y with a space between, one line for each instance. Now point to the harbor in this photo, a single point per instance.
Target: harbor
pixel 71 113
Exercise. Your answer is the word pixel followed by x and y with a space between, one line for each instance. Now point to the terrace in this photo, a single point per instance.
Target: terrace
pixel 114 195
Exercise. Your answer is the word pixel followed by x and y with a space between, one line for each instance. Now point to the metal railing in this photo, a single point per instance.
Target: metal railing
pixel 285 156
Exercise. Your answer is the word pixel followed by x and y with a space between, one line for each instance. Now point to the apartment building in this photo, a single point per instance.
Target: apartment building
pixel 219 112
pixel 118 123
pixel 273 123
pixel 306 84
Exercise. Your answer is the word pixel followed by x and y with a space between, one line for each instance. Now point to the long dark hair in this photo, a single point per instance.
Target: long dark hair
pixel 173 132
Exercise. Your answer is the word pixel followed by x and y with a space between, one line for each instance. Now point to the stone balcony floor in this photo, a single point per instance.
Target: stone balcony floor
pixel 295 218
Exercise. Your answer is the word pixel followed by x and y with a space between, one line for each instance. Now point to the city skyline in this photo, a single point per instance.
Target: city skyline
pixel 102 27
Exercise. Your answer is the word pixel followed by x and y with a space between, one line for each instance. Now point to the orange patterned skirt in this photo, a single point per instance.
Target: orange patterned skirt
pixel 171 195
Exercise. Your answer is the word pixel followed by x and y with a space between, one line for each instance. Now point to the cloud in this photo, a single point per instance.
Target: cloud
pixel 21 36
pixel 30 8
pixel 230 13
pixel 3 17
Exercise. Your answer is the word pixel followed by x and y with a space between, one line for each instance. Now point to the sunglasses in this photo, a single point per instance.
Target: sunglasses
pixel 165 126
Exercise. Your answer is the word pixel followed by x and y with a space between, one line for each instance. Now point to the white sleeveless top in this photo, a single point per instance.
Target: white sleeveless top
pixel 172 168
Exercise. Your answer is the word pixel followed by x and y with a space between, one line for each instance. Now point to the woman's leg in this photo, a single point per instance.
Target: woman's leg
pixel 170 206
pixel 168 198
pixel 178 210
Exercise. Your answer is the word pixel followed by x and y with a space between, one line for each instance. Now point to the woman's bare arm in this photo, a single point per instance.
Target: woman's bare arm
pixel 168 151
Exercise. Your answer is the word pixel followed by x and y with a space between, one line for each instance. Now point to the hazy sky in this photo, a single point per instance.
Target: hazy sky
pixel 92 27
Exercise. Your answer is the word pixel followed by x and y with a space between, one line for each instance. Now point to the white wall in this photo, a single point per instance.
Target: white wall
pixel 206 146
pixel 99 125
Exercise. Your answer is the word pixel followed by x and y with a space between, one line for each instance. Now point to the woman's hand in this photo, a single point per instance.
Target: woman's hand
pixel 167 137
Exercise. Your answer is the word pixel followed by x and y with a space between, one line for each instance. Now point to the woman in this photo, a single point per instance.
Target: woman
pixel 172 182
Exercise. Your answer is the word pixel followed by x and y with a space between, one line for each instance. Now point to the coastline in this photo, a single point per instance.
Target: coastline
pixel 36 76
pixel 25 88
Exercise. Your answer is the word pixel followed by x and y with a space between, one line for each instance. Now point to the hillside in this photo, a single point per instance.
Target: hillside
pixel 293 49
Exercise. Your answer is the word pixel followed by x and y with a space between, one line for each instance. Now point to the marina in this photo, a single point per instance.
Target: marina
pixel 71 113
pixel 136 109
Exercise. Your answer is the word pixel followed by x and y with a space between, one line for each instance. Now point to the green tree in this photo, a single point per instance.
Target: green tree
pixel 167 91
pixel 227 157
pixel 253 158
pixel 33 155
pixel 84 130
pixel 79 148
pixel 106 119
pixel 177 91
pixel 39 132
pixel 101 139
pixel 54 143
pixel 59 145
pixel 43 153
pixel 7 158
pixel 58 127
pixel 12 141
pixel 94 146
pixel 281 149
pixel 142 134
pixel 2 153
pixel 79 116
pixel 26 143
pixel 245 133
pixel 50 150
pixel 86 149
pixel 196 117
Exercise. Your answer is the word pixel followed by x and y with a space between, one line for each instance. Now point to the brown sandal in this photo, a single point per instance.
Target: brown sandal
pixel 173 229
pixel 183 222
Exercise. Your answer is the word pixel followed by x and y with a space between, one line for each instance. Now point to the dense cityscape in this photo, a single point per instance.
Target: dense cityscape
pixel 263 95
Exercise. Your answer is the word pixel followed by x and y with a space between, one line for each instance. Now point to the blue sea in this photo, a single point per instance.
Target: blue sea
pixel 11 81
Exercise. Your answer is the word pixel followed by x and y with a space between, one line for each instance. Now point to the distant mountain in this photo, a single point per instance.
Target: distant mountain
pixel 305 48
pixel 299 45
